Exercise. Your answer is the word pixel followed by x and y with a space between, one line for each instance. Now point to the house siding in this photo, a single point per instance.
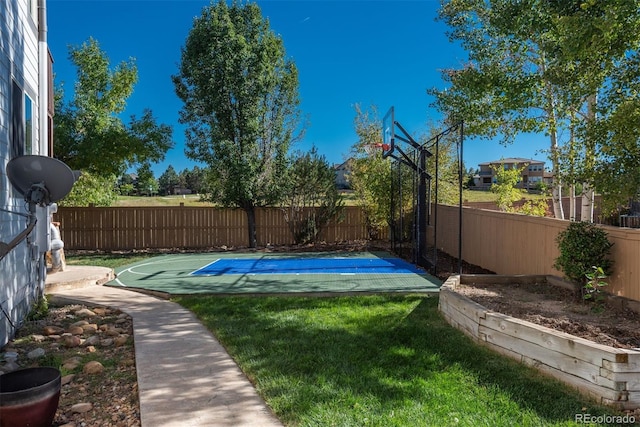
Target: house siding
pixel 22 270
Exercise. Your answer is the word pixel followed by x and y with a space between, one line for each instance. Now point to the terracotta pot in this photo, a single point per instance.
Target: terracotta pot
pixel 29 397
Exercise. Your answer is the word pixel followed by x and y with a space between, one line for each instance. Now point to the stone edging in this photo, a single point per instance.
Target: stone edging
pixel 610 375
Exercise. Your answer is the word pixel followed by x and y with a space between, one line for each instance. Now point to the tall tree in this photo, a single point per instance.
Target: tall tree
pixel 594 40
pixel 146 184
pixel 194 179
pixel 168 181
pixel 370 175
pixel 617 170
pixel 89 133
pixel 240 98
pixel 539 66
pixel 599 49
pixel 504 89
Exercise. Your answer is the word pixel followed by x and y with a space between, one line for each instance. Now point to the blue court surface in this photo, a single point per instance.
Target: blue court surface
pixel 306 265
pixel 275 273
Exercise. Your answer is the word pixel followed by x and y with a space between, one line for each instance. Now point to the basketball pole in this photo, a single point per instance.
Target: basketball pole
pixel 420 231
pixel 423 216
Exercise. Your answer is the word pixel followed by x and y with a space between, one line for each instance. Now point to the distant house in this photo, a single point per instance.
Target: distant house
pixel 532 174
pixel 26 112
pixel 342 171
pixel 181 191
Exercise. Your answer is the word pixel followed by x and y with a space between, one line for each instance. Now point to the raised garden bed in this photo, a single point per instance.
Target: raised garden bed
pixel 608 374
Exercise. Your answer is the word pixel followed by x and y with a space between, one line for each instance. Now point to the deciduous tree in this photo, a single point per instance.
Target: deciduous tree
pixel 505 89
pixel 370 175
pixel 240 97
pixel 505 186
pixel 89 133
pixel 542 66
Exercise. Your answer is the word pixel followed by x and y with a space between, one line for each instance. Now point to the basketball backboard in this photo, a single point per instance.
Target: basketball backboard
pixel 388 133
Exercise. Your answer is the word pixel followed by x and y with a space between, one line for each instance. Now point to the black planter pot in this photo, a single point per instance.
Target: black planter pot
pixel 29 397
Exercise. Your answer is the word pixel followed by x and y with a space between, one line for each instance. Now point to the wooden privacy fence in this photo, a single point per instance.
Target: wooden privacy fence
pixel 138 228
pixel 520 244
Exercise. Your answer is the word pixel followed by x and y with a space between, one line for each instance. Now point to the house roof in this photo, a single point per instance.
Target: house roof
pixel 346 165
pixel 510 160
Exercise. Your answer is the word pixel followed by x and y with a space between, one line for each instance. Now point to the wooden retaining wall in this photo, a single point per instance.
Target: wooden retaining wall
pixel 610 375
pixel 138 228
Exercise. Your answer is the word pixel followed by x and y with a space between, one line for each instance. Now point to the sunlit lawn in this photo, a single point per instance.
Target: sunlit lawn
pixel 349 197
pixel 187 200
pixel 378 361
pixel 106 260
pixel 488 196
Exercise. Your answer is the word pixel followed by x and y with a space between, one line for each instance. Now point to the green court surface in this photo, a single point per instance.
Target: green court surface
pixel 360 272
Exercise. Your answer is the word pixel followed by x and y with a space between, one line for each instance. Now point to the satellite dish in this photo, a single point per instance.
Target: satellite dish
pixel 41 179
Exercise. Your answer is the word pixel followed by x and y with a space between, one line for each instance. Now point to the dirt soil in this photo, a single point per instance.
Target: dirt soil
pixel 559 309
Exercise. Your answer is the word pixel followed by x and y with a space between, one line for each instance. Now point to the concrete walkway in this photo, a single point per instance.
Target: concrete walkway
pixel 185 377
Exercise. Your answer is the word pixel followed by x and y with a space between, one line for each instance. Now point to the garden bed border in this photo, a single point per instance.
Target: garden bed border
pixel 609 375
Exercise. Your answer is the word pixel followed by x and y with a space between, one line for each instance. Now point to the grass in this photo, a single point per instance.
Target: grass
pixel 488 196
pixel 109 260
pixel 384 360
pixel 191 200
pixel 349 198
pixel 187 200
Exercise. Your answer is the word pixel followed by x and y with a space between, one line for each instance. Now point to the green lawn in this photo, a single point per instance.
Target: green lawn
pixel 349 198
pixel 106 260
pixel 380 361
pixel 488 196
pixel 187 200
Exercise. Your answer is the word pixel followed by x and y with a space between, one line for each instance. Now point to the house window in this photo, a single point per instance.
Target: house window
pixel 17 121
pixel 28 125
pixel 33 8
pixel 22 124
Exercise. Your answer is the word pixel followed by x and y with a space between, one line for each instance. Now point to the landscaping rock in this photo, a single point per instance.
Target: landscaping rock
pixel 37 353
pixel 52 330
pixel 81 408
pixel 84 312
pixel 92 368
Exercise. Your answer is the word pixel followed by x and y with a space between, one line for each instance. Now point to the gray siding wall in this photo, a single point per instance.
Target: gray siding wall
pixel 22 272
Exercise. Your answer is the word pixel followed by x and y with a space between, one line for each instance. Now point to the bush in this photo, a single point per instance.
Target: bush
pixel 582 246
pixel 40 309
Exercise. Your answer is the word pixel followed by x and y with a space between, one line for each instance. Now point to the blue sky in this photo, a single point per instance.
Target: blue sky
pixel 373 53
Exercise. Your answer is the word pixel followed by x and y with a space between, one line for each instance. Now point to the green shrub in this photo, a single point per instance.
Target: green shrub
pixel 40 309
pixel 582 246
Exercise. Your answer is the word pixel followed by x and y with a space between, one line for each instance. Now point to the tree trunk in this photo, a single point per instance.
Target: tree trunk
pixel 586 213
pixel 556 189
pixel 556 185
pixel 589 159
pixel 251 225
pixel 572 202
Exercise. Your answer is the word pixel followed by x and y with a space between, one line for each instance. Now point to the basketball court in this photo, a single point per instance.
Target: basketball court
pixel 276 273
